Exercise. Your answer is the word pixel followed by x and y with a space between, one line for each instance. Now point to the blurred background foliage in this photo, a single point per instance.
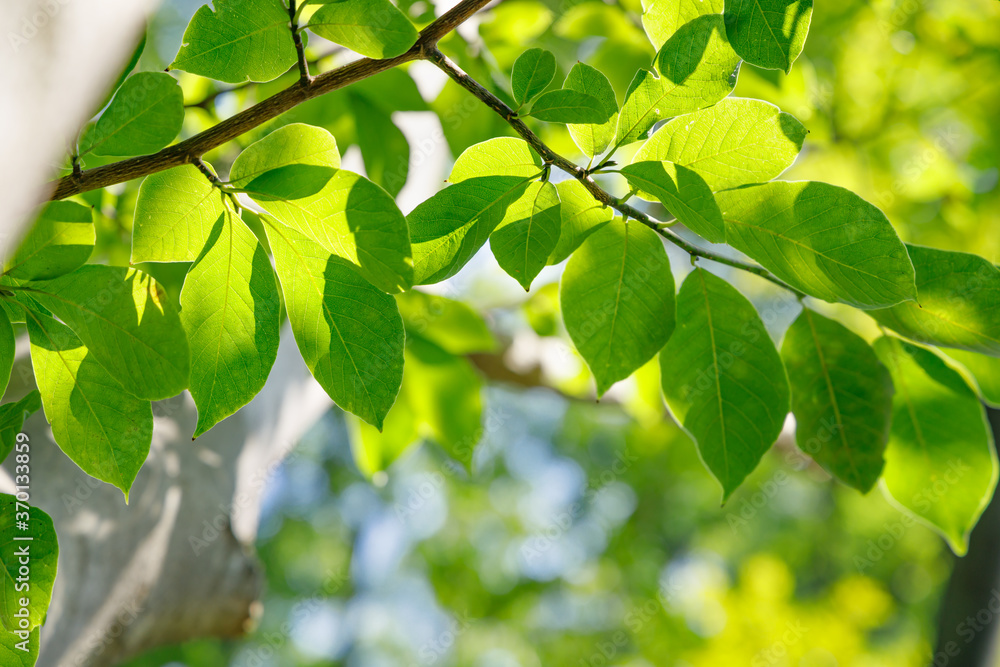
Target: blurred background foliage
pixel 590 534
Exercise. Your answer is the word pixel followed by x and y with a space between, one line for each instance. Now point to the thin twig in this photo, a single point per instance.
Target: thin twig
pixel 186 151
pixel 579 173
pixel 300 50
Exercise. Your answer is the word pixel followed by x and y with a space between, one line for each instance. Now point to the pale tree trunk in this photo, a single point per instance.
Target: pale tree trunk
pixel 177 562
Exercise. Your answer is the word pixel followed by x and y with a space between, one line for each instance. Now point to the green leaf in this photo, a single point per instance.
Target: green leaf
pixel 697 68
pixel 822 239
pixel 373 28
pixel 174 214
pixel 124 318
pixel 723 378
pixel 345 213
pixel 350 334
pixel 735 142
pixel 102 429
pixel 581 214
pixel 450 227
pixel 593 139
pixel 662 18
pixel 569 106
pixel 12 416
pixel 451 325
pixel 18 652
pixel 44 550
pixel 768 33
pixel 533 72
pixel 984 370
pixel 7 345
pixel 940 462
pixel 683 192
pixel 617 297
pixel 841 399
pixel 958 297
pixel 145 115
pixel 61 240
pixel 528 233
pixel 229 309
pixel 384 148
pixel 503 156
pixel 242 40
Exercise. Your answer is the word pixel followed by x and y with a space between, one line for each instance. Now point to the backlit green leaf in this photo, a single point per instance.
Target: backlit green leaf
pixel 569 106
pixel 841 399
pixel 533 72
pixel 174 213
pixel 683 192
pixel 12 416
pixel 662 18
pixel 103 429
pixel 145 115
pixel 345 213
pixel 60 241
pixel 373 28
pixel 735 142
pixel 229 309
pixel 528 233
pixel 13 655
pixel 503 156
pixel 242 40
pixel 6 352
pixel 581 214
pixel 768 33
pixel 450 227
pixel 350 334
pixel 44 549
pixel 723 378
pixel 696 68
pixel 617 299
pixel 940 462
pixel 958 298
pixel 984 370
pixel 124 318
pixel 593 139
pixel 822 239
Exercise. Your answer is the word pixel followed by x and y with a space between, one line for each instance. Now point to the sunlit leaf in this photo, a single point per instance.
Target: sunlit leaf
pixel 349 333
pixel 533 72
pixel 958 298
pixel 447 229
pixel 242 40
pixel 229 309
pixel 174 213
pixel 12 416
pixel 695 69
pixel 145 115
pixel 822 239
pixel 503 156
pixel 528 233
pixel 735 142
pixel 768 33
pixel 373 28
pixel 593 139
pixel 44 550
pixel 101 428
pixel 940 462
pixel 683 192
pixel 984 370
pixel 581 214
pixel 841 399
pixel 617 299
pixel 723 378
pixel 662 18
pixel 127 323
pixel 61 240
pixel 7 350
pixel 569 106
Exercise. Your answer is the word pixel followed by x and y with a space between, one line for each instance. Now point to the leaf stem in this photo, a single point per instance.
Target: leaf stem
pixel 305 78
pixel 549 156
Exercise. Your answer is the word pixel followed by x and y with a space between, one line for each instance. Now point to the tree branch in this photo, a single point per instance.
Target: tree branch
pixel 550 157
pixel 188 150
